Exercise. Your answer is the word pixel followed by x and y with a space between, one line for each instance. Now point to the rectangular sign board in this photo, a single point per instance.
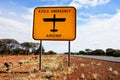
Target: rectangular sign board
pixel 54 23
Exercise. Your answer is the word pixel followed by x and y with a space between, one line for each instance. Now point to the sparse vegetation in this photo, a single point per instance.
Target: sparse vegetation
pixel 99 52
pixel 95 76
pixel 18 61
pixel 110 51
pixel 13 47
pixel 50 53
pixel 116 53
pixel 54 67
pixel 18 78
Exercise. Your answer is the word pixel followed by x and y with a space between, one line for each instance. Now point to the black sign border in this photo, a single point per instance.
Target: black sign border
pixel 54 39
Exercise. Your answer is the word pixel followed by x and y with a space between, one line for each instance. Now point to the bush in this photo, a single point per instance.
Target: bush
pixel 18 78
pixel 110 51
pixel 50 52
pixel 18 51
pixel 66 53
pixel 98 52
pixel 82 52
pixel 74 53
pixel 116 53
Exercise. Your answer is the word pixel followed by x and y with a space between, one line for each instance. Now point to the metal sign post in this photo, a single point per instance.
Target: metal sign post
pixel 40 56
pixel 69 53
pixel 54 23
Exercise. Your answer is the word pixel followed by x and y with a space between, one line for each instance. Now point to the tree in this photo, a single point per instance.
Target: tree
pixel 66 53
pixel 7 45
pixel 18 51
pixel 50 52
pixel 13 47
pixel 89 51
pixel 98 52
pixel 82 52
pixel 74 53
pixel 116 53
pixel 26 46
pixel 110 51
pixel 38 50
pixel 35 47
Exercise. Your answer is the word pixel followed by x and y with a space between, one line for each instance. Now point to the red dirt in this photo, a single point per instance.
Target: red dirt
pixel 54 67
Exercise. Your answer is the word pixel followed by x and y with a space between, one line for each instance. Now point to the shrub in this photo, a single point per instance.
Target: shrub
pixel 18 78
pixel 99 52
pixel 66 53
pixel 82 52
pixel 50 52
pixel 110 51
pixel 116 53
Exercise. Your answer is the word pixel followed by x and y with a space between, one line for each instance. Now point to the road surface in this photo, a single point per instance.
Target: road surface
pixel 116 59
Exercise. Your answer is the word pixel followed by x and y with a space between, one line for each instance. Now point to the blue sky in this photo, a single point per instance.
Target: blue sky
pixel 98 23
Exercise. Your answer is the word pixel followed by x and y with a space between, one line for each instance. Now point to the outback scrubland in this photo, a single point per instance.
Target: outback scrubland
pixel 20 61
pixel 54 67
pixel 13 47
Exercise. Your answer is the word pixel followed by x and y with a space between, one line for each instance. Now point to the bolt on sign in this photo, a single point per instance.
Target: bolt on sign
pixel 54 23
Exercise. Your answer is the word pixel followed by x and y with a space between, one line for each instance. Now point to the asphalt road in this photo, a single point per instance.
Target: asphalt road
pixel 116 59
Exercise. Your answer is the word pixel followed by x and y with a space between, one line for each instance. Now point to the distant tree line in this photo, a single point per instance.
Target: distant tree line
pixel 50 52
pixel 100 52
pixel 13 47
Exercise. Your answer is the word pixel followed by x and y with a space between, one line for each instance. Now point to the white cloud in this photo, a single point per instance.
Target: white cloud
pixel 10 28
pixel 16 25
pixel 29 15
pixel 103 1
pixel 11 23
pixel 57 46
pixel 101 16
pixel 88 3
pixel 54 2
pixel 98 33
pixel 0 12
pixel 86 16
pixel 101 31
pixel 12 13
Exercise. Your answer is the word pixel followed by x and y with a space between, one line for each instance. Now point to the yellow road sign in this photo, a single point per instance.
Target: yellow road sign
pixel 54 23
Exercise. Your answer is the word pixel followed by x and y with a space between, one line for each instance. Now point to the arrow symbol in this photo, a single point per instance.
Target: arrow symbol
pixel 54 19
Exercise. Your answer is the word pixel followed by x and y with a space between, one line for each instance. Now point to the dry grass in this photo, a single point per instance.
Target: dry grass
pixel 54 67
